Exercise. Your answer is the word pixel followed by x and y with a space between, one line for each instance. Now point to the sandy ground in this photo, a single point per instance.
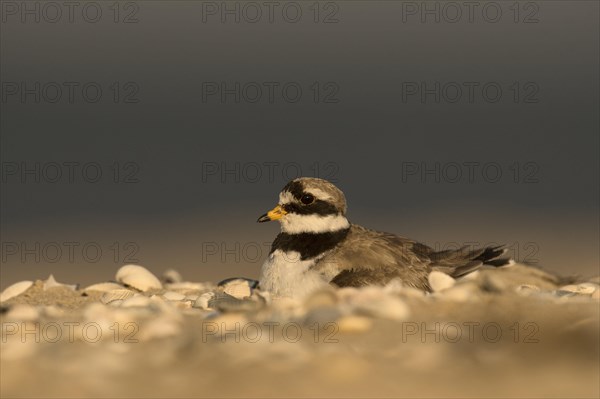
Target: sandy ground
pixel 510 332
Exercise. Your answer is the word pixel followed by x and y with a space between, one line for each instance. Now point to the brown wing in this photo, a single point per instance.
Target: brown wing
pixel 369 257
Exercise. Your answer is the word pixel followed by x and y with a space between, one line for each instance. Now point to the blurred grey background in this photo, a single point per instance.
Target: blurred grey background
pixel 156 132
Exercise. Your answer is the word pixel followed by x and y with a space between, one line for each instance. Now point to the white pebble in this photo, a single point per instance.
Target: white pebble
pixel 582 289
pixel 239 289
pixel 202 301
pixel 53 311
pixel 373 301
pixel 588 288
pixel 23 313
pixel 527 289
pixel 161 327
pixel 138 277
pixel 136 301
pixel 439 281
pixel 16 289
pixel 172 276
pixel 116 295
pixel 103 287
pixel 51 282
pixel 354 324
pixel 461 293
pixel 173 296
pixel 187 286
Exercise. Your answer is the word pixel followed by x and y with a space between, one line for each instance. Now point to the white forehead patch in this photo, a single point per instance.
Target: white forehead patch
pixel 285 197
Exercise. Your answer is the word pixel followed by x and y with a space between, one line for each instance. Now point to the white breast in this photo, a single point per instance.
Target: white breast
pixel 285 274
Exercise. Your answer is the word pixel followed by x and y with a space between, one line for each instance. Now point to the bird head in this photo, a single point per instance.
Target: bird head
pixel 309 205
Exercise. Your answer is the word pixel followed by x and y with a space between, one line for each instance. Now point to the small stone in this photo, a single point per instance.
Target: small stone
pixel 115 295
pixel 53 311
pixel 171 276
pixel 238 288
pixel 161 327
pixel 51 282
pixel 322 316
pixel 14 290
pixel 461 293
pixel 226 303
pixel 321 298
pixel 587 288
pixel 471 276
pixel 136 301
pixel 354 324
pixel 572 289
pixel 373 301
pixel 23 312
pixel 187 286
pixel 173 296
pixel 439 281
pixel 202 301
pixel 103 287
pixel 181 304
pixel 527 289
pixel 138 277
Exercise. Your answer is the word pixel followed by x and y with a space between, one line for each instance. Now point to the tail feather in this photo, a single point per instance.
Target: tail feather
pixel 462 261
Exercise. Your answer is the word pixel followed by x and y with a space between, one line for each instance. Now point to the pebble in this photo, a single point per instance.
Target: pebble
pixel 354 324
pixel 136 301
pixel 188 287
pixel 173 296
pixel 171 276
pixel 527 289
pixel 471 276
pixel 321 298
pixel 580 289
pixel 115 295
pixel 251 283
pixel 322 316
pixel 462 292
pixel 160 327
pixel 51 282
pixel 103 287
pixel 23 312
pixel 588 288
pixel 439 281
pixel 227 303
pixel 374 302
pixel 202 301
pixel 53 311
pixel 14 290
pixel 237 288
pixel 138 277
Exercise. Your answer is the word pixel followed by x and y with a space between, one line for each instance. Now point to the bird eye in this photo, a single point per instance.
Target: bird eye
pixel 307 199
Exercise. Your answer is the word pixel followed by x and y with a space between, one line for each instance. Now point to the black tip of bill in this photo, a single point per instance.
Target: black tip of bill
pixel 263 218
